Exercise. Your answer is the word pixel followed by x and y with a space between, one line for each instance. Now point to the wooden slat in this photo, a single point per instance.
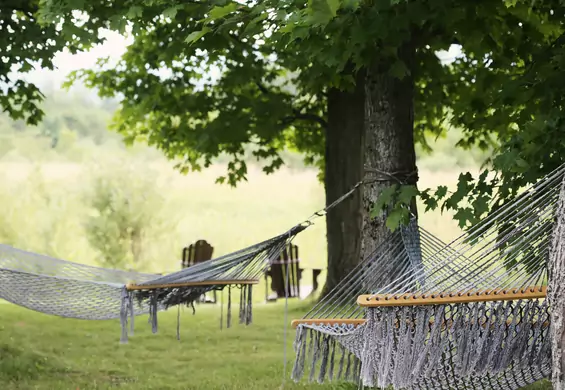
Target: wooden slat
pixel 131 287
pixel 328 321
pixel 412 299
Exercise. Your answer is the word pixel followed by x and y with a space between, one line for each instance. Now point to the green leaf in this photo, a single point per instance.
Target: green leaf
pixel 385 197
pixel 334 6
pixel 397 217
pixel 196 35
pixel 399 69
pixel 322 11
pixel 255 21
pixel 464 215
pixel 480 205
pixel 351 5
pixel 441 192
pixel 431 204
pixel 287 28
pixel 407 193
pixel 375 212
pixel 521 163
pixel 171 12
pixel 220 12
pixel 135 12
pixel 118 23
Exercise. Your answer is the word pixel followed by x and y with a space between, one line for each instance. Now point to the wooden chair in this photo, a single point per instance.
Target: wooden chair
pixel 288 262
pixel 196 253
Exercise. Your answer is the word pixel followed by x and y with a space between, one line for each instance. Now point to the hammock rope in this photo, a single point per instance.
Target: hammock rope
pixel 73 290
pixel 418 313
pixel 67 289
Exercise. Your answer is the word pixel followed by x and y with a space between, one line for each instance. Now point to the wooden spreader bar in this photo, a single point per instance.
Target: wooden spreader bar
pixel 131 286
pixel 328 321
pixel 413 299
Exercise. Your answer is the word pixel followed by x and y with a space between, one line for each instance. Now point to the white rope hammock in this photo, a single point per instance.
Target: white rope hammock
pixel 421 314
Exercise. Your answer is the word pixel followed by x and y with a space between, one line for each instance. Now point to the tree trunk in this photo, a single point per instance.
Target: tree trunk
pixel 344 169
pixel 370 129
pixel 389 144
pixel 556 295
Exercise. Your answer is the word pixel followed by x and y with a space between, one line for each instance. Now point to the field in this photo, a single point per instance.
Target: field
pixel 191 207
pixel 42 352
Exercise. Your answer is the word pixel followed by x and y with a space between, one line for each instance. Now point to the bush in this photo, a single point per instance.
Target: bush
pixel 127 215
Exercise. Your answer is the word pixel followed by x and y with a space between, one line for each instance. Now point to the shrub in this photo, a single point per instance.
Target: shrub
pixel 127 214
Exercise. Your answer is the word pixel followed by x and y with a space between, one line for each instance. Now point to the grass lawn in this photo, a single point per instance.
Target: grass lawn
pixel 45 352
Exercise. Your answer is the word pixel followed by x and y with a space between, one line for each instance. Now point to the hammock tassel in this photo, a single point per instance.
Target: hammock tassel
pixel 153 312
pixel 228 316
pixel 315 351
pixel 348 367
pixel 356 367
pixel 299 347
pixel 332 361
pixel 249 313
pixel 221 309
pixel 131 312
pixel 325 358
pixel 242 304
pixel 178 322
pixel 341 362
pixel 124 311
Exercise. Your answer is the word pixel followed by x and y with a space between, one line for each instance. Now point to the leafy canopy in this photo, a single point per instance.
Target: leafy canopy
pixel 274 61
pixel 27 43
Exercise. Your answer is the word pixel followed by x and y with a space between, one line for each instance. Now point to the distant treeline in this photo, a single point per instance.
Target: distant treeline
pixel 75 127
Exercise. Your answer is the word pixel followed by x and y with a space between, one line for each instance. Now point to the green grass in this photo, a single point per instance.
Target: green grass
pixel 44 352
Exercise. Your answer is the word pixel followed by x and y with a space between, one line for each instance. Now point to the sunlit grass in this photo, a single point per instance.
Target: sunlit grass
pixel 44 352
pixel 197 208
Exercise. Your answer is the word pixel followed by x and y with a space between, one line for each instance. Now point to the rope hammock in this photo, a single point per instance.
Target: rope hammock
pixel 421 314
pixel 72 290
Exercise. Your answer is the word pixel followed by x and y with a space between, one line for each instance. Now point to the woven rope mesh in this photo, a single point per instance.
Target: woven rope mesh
pixel 494 344
pixel 63 288
pixel 68 289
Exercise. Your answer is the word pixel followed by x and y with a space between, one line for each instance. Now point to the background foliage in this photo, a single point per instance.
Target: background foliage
pixel 52 195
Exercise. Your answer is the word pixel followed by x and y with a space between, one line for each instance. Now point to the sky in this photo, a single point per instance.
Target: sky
pixel 65 62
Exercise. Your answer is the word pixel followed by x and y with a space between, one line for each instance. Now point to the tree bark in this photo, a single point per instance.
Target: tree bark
pixel 556 295
pixel 389 144
pixel 344 169
pixel 370 129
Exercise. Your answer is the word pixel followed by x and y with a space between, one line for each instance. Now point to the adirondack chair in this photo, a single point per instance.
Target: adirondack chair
pixel 196 253
pixel 287 262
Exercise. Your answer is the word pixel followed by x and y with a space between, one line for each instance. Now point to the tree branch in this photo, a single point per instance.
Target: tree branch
pixel 305 117
pixel 262 88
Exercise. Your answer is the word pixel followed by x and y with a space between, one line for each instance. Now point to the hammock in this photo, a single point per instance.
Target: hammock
pixel 420 314
pixel 72 290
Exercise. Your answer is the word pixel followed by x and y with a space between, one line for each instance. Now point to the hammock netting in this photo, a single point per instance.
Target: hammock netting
pixel 421 314
pixel 73 290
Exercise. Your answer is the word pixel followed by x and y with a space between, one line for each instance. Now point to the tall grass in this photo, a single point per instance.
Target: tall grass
pixel 53 208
